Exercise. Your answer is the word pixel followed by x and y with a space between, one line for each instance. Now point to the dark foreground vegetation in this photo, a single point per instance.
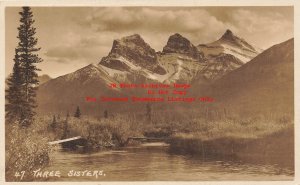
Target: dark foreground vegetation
pixel 266 138
pixel 187 132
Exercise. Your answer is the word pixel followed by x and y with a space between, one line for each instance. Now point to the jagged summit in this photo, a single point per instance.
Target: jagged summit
pixel 131 37
pixel 226 54
pixel 181 45
pixel 135 38
pixel 132 48
pixel 231 44
pixel 228 35
pixel 133 42
pixel 178 37
pixel 132 52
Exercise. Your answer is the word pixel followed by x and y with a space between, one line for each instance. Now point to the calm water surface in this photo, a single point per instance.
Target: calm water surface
pixel 153 162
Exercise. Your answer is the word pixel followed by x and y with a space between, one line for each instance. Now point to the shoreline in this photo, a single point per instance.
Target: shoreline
pixel 276 148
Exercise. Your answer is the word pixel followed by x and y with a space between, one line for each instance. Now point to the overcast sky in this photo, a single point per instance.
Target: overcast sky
pixel 72 38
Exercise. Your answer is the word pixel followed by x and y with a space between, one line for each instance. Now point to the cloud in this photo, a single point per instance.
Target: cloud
pixel 90 35
pixel 266 28
pixel 82 50
pixel 63 53
pixel 193 23
pixel 76 36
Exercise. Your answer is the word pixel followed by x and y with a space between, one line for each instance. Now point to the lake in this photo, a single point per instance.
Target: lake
pixel 154 162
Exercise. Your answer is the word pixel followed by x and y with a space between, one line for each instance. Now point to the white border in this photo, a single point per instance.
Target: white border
pixel 57 3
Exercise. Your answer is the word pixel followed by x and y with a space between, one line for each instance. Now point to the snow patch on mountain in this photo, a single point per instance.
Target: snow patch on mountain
pixel 232 45
pixel 180 68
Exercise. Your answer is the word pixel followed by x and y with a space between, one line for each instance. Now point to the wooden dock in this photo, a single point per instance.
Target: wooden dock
pixel 65 140
pixel 75 142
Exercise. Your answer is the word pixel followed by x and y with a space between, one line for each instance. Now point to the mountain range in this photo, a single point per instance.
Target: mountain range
pixel 265 84
pixel 132 60
pixel 179 61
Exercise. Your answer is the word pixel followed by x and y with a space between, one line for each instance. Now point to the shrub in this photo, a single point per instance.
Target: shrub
pixel 25 150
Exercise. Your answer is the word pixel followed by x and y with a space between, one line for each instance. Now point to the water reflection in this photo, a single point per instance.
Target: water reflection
pixel 155 163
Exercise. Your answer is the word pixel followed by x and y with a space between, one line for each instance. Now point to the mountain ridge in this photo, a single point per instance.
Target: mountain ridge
pixel 181 45
pixel 94 80
pixel 178 59
pixel 134 50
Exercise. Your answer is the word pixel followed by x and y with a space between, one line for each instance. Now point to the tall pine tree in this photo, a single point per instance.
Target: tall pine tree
pixel 14 94
pixel 77 113
pixel 27 58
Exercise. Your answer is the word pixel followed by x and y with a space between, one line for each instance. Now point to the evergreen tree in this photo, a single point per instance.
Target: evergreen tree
pixel 28 59
pixel 77 113
pixel 54 123
pixel 14 97
pixel 66 128
pixel 105 114
pixel 148 111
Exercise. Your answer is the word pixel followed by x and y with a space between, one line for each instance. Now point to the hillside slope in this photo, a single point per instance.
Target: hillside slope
pixel 266 83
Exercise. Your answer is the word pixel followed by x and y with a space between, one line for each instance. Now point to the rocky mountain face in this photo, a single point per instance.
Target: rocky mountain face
pixel 220 65
pixel 226 54
pixel 132 53
pixel 132 60
pixel 230 38
pixel 182 60
pixel 181 45
pixel 231 45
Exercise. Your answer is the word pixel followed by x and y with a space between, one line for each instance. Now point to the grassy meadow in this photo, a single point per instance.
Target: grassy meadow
pixel 201 133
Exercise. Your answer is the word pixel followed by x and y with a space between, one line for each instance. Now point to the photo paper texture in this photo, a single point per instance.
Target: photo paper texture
pixel 149 93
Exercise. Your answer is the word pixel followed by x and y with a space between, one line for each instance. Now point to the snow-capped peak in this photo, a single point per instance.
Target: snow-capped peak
pixel 229 38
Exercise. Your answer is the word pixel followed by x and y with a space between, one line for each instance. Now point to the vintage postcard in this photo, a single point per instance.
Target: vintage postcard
pixel 148 92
